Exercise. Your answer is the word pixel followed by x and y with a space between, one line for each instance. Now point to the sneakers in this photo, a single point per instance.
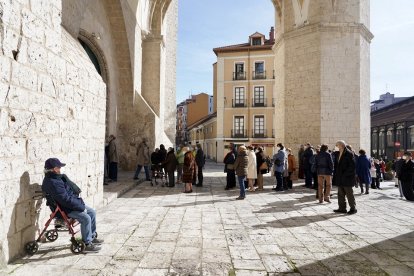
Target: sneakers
pixel 240 198
pixel 97 241
pixel 90 247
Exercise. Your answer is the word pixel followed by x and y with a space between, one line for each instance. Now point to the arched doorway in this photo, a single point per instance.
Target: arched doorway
pixel 95 53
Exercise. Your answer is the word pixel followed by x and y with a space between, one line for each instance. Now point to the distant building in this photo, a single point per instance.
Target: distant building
pixel 392 130
pixel 191 111
pixel 386 100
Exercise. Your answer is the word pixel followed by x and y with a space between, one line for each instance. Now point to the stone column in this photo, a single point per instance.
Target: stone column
pixel 322 72
pixel 151 71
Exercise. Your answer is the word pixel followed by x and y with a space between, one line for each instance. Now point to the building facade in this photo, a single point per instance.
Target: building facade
pixel 190 111
pixel 392 130
pixel 244 87
pixel 72 73
pixel 386 100
pixel 204 132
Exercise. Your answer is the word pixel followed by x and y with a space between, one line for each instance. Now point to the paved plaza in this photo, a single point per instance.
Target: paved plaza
pixel 162 231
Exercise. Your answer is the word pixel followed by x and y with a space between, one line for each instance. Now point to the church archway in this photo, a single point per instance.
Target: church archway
pixel 96 55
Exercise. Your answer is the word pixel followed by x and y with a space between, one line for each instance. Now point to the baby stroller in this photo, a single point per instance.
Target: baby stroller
pixel 59 217
pixel 158 173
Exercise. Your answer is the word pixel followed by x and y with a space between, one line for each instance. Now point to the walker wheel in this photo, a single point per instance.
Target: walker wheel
pixel 31 248
pixel 52 235
pixel 77 247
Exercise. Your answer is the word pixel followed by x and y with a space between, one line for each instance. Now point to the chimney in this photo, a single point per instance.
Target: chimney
pixel 272 34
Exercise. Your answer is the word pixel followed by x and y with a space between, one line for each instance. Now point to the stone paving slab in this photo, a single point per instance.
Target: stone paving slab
pixel 162 231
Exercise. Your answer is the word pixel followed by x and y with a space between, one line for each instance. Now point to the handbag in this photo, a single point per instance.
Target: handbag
pixel 230 166
pixel 263 166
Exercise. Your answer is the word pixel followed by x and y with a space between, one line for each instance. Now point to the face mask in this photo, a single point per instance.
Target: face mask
pixel 278 148
pixel 178 149
pixel 336 148
pixel 404 157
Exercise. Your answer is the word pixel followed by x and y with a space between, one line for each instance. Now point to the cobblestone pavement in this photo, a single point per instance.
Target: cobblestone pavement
pixel 161 231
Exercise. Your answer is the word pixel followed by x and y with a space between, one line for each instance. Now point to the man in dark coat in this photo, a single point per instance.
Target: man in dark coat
pixel 407 177
pixel 307 166
pixel 55 186
pixel 170 164
pixel 345 177
pixel 200 160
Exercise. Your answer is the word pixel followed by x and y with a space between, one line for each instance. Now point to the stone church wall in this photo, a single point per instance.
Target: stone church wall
pixel 52 104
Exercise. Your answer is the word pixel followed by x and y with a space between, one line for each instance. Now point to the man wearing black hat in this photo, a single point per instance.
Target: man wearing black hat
pixel 60 188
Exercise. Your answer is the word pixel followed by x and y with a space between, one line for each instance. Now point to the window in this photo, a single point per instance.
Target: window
pixel 256 41
pixel 238 126
pixel 374 139
pixel 381 142
pixel 259 130
pixel 390 138
pixel 238 97
pixel 410 138
pixel 259 67
pixel 239 71
pixel 259 99
pixel 259 70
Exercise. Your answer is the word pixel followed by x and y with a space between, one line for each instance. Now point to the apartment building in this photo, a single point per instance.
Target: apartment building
pixel 190 111
pixel 243 93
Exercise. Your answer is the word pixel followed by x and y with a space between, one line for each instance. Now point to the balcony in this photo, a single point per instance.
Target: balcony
pixel 260 102
pixel 238 133
pixel 259 75
pixel 259 133
pixel 239 103
pixel 239 75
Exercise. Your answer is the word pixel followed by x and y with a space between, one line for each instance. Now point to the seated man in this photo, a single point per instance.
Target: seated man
pixel 59 187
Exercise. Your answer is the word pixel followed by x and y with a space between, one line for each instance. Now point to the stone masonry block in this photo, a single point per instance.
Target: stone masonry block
pixel 72 74
pixel 10 42
pixel 12 147
pixel 39 7
pixel 36 56
pixel 24 76
pixel 53 41
pixel 32 27
pixel 5 69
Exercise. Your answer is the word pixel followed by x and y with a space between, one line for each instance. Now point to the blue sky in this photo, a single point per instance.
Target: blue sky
pixel 203 27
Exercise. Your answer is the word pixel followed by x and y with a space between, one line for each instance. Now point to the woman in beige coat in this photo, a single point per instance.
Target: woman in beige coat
pixel 251 168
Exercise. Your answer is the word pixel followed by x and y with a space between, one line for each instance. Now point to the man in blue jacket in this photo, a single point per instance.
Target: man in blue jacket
pixel 59 187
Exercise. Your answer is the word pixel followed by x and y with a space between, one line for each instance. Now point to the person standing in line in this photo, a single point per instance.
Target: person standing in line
pixel 113 159
pixel 240 167
pixel 378 170
pixel 143 159
pixel 324 168
pixel 261 167
pixel 180 164
pixel 200 161
pixel 307 166
pixel 170 165
pixel 397 168
pixel 407 176
pixel 363 171
pixel 189 170
pixel 228 161
pixel 301 174
pixel 345 179
pixel 373 172
pixel 251 168
pixel 291 168
pixel 279 160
